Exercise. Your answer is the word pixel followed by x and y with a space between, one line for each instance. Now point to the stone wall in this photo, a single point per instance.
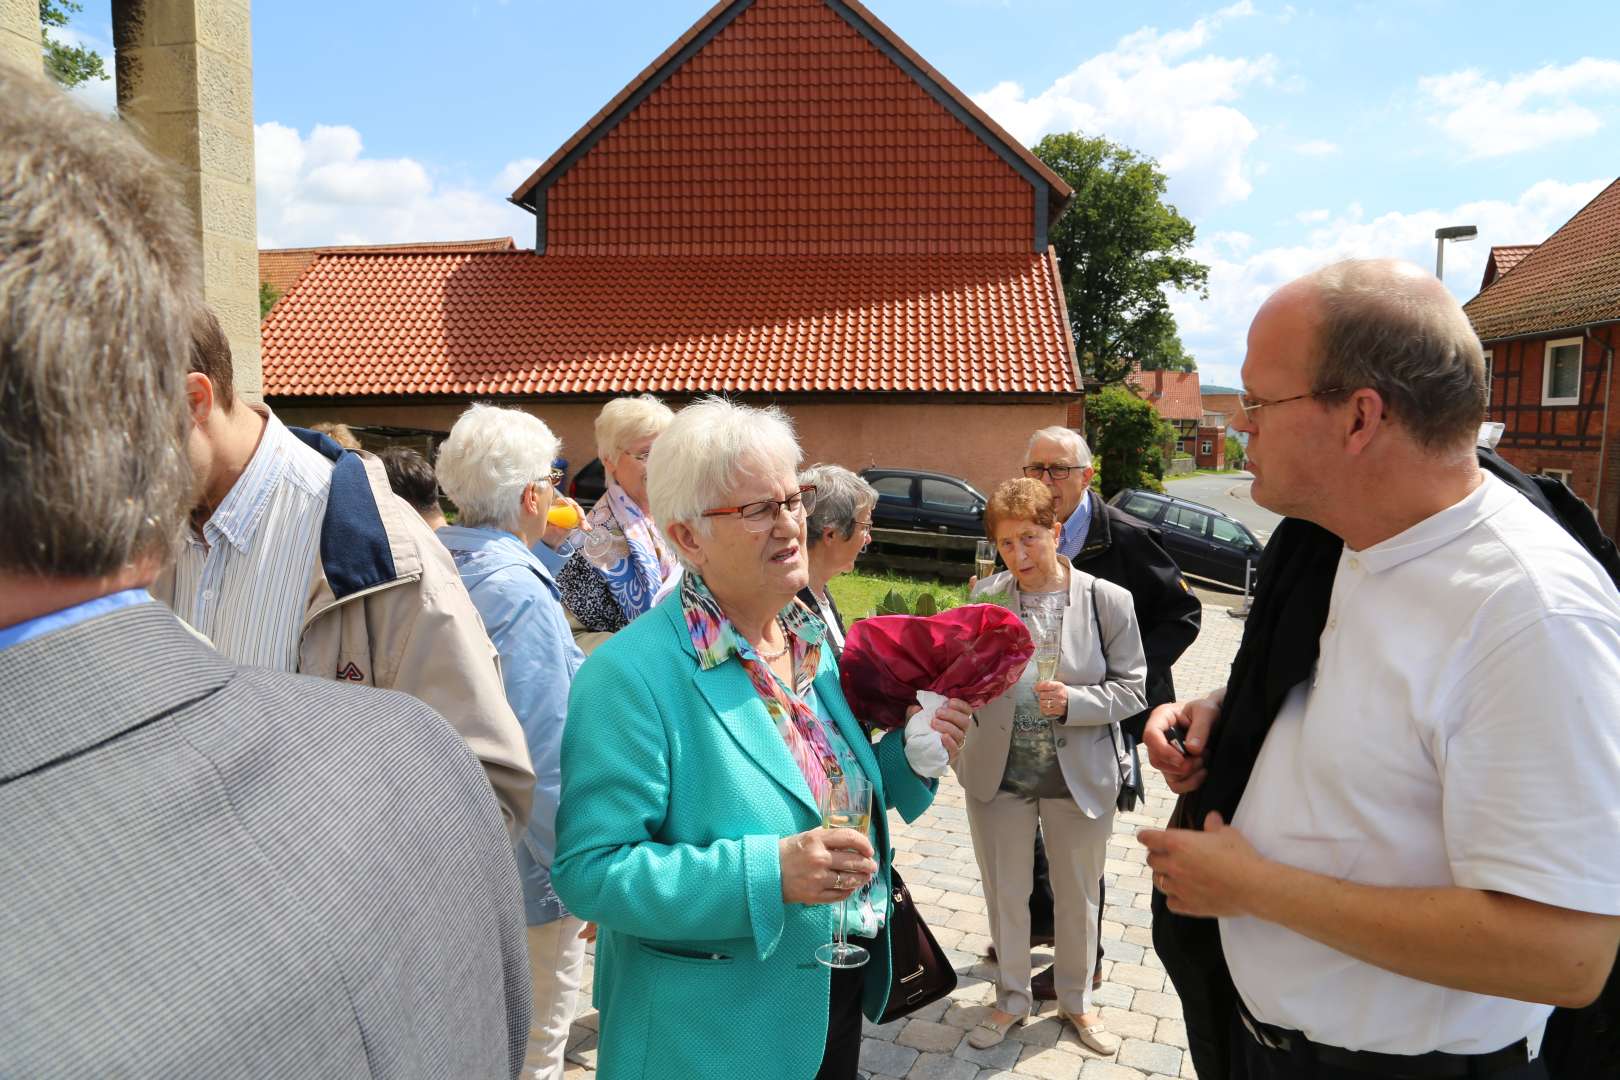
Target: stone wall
pixel 982 443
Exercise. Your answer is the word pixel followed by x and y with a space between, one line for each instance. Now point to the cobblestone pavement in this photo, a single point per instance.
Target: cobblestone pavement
pixel 1136 1000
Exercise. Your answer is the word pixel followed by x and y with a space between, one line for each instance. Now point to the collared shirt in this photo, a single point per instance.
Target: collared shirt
pixel 518 600
pixel 51 622
pixel 1076 528
pixel 245 582
pixel 1459 730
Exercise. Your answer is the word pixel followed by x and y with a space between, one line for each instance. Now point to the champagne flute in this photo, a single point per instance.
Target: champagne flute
pixel 1046 633
pixel 984 559
pixel 1046 661
pixel 848 805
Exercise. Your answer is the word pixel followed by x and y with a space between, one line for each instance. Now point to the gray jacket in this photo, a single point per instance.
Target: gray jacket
pixel 206 872
pixel 1105 679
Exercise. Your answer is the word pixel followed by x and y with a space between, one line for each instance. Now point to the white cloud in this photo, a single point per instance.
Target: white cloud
pixel 1487 118
pixel 1241 277
pixel 1307 217
pixel 1162 94
pixel 515 173
pixel 1317 148
pixel 323 189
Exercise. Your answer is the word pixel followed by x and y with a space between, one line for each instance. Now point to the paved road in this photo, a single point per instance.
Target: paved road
pixel 1228 493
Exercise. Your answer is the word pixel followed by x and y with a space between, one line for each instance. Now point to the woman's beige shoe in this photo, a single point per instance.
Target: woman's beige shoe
pixel 1096 1037
pixel 988 1032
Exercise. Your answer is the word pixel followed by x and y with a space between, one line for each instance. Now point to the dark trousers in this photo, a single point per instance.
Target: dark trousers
pixel 843 1053
pixel 1042 918
pixel 1251 1061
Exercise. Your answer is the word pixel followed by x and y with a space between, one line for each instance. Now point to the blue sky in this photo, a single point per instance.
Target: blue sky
pixel 1292 133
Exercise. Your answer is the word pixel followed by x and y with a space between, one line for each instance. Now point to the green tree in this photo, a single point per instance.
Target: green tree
pixel 1128 438
pixel 1234 453
pixel 1119 247
pixel 69 65
pixel 267 298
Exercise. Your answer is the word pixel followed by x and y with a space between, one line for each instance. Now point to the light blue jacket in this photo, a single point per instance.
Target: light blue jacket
pixel 676 789
pixel 518 600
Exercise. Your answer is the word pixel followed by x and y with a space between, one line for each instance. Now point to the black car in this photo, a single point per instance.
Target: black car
pixel 925 502
pixel 1204 542
pixel 588 484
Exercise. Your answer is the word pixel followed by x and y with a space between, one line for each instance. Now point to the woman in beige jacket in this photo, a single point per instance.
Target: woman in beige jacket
pixel 1045 753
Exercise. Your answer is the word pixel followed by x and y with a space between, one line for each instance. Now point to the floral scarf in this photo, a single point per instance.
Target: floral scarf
pixel 716 641
pixel 627 551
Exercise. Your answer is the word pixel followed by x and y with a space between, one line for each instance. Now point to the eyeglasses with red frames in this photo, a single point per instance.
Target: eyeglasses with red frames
pixel 760 516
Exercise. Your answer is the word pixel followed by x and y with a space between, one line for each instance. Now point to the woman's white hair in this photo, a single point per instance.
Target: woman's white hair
pixel 707 449
pixel 625 421
pixel 492 454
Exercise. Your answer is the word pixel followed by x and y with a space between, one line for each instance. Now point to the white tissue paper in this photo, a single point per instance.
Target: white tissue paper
pixel 925 750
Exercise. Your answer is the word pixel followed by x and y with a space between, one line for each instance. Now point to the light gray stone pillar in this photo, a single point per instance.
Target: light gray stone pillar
pixel 19 35
pixel 185 81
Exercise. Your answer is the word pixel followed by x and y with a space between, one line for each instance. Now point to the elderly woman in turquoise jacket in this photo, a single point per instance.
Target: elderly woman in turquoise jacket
pixel 700 744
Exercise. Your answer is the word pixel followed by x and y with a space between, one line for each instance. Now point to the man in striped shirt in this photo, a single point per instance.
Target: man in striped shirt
pixel 301 558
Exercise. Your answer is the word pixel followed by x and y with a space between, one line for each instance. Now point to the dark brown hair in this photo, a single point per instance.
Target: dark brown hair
pixel 211 356
pixel 411 477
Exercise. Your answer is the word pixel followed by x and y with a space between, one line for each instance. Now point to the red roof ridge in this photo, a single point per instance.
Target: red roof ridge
pixel 493 243
pixel 1061 192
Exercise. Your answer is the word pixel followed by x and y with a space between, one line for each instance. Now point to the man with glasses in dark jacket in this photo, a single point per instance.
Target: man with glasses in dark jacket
pixel 1108 543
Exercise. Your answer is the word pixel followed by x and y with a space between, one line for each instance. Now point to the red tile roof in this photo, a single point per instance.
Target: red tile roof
pixel 522 324
pixel 1503 257
pixel 790 130
pixel 1571 279
pixel 282 267
pixel 1174 393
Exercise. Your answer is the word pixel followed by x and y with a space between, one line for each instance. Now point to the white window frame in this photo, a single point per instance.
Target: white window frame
pixel 1546 371
pixel 1206 447
pixel 1561 475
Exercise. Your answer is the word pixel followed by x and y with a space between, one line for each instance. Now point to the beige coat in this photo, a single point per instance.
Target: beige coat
pixel 416 631
pixel 1106 682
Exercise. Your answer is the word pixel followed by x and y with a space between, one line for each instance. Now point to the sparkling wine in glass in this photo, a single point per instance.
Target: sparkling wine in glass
pixel 984 559
pixel 1046 661
pixel 848 806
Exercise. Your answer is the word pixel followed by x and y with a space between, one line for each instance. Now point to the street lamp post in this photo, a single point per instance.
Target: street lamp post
pixel 1458 233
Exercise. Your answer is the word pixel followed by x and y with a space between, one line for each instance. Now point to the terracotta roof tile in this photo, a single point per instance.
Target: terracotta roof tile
pixel 282 267
pixel 1174 394
pixel 1503 257
pixel 1571 279
pixel 521 324
pixel 789 132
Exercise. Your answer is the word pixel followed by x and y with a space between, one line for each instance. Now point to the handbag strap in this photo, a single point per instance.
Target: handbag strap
pixel 1113 727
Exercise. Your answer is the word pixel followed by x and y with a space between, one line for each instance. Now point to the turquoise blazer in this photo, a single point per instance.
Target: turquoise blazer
pixel 676 789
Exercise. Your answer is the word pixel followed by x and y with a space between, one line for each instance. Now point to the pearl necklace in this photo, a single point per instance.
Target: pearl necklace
pixel 786 644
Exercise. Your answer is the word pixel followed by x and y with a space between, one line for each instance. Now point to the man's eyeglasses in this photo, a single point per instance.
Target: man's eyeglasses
pixel 1056 472
pixel 1251 405
pixel 760 516
pixel 554 477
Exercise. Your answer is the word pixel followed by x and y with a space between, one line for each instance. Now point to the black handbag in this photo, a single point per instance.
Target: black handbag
pixel 1131 790
pixel 919 971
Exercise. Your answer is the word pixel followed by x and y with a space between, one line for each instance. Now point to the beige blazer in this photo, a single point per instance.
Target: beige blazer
pixel 1106 681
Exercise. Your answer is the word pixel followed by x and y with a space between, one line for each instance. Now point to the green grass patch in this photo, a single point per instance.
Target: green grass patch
pixel 857 594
